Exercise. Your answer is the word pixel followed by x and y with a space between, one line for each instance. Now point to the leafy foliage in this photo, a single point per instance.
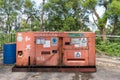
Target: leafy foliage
pixel 111 48
pixel 64 15
pixel 114 8
pixel 90 4
pixel 9 9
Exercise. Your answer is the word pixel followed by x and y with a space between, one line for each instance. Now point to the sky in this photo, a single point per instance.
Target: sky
pixel 38 2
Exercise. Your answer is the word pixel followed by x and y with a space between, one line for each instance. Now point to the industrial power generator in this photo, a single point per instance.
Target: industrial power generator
pixel 55 51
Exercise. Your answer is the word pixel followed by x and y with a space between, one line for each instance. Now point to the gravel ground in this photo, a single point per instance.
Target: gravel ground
pixel 103 73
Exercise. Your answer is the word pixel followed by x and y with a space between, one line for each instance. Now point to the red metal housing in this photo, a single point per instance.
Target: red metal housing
pixel 55 49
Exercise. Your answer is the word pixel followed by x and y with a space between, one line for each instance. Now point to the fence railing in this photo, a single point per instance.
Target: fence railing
pixel 111 38
pixel 6 38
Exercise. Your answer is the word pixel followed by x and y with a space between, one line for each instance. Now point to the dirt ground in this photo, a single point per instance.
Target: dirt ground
pixel 107 72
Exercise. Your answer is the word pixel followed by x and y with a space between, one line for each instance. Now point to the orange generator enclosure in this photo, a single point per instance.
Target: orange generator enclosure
pixel 55 49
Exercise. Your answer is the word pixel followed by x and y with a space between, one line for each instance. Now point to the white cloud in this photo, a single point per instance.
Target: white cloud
pixel 38 2
pixel 100 10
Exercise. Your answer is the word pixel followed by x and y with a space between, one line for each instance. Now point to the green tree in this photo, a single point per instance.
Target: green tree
pixel 9 10
pixel 42 17
pixel 91 5
pixel 32 14
pixel 64 15
pixel 12 12
pixel 114 12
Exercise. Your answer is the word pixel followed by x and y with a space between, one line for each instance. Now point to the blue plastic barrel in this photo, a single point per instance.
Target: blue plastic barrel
pixel 9 53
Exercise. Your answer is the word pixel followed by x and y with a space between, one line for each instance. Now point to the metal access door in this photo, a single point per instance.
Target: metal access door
pixel 76 51
pixel 76 57
pixel 47 50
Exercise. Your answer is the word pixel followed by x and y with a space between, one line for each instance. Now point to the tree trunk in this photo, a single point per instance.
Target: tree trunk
pixel 103 33
pixel 103 30
pixel 8 25
pixel 96 14
pixel 42 14
pixel 115 25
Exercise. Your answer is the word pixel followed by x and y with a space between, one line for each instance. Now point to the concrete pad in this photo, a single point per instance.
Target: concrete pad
pixel 104 72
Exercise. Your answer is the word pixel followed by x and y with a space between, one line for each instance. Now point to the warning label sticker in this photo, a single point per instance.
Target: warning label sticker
pixel 79 42
pixel 77 54
pixel 83 42
pixel 75 40
pixel 47 44
pixel 40 41
pixel 54 41
pixel 19 38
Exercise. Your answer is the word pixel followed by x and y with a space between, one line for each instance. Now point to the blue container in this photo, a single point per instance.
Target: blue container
pixel 9 53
